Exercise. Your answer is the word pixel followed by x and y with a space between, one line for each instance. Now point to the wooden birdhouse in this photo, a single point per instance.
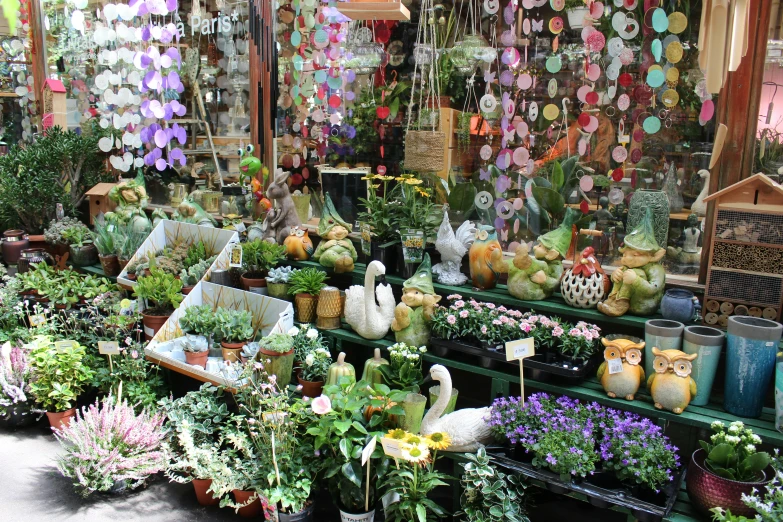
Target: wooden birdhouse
pixel 99 200
pixel 55 112
pixel 745 270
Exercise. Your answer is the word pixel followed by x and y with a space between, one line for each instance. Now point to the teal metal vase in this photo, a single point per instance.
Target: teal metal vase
pixel 662 334
pixel 779 394
pixel 708 343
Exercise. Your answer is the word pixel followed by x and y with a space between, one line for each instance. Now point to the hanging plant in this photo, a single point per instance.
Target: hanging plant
pixel 463 131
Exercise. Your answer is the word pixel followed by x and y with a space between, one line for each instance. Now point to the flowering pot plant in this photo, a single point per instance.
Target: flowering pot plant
pixel 142 382
pixel 15 375
pixel 404 369
pixel 305 339
pixel 478 322
pixel 111 448
pixel 314 370
pixel 767 501
pixel 489 495
pixel 276 351
pixel 379 210
pixel 60 373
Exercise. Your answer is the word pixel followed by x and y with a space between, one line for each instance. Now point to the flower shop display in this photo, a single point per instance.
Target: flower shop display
pixel 234 329
pixel 466 428
pixel 298 245
pixel 486 258
pixel 258 257
pixel 110 448
pixel 489 494
pixel 768 501
pixel 314 370
pixel 306 284
pixel 368 319
pixel 638 284
pixel 452 246
pixel 371 372
pixel 16 408
pixel 335 250
pixel 340 371
pixel 276 352
pixel 283 216
pixel 60 375
pixel 412 316
pixel 277 282
pixel 672 386
pixel 162 293
pixel 621 373
pixel 727 469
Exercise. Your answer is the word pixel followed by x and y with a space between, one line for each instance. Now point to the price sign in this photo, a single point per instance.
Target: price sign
pixel 521 350
pixel 392 447
pixel 37 320
pixel 236 256
pixel 368 449
pixel 108 347
pixel 62 345
pixel 240 227
pixel 615 366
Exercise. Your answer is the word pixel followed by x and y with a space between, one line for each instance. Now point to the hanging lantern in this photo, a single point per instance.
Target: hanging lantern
pixel 365 57
pixel 423 53
pixel 465 55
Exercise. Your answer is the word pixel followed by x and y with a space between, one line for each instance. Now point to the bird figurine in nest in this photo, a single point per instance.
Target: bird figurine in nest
pixel 452 247
pixel 585 284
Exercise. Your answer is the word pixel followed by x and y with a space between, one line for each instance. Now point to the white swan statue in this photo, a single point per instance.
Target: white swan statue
pixel 369 320
pixel 699 207
pixel 467 428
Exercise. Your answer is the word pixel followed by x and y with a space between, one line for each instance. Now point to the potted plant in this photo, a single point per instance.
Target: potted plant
pixel 80 246
pixel 416 219
pixel 136 268
pixel 134 441
pixel 128 241
pixel 489 494
pixel 257 258
pixel 726 468
pixel 404 369
pixel 276 352
pixel 277 282
pixel 234 328
pixel 103 239
pixel 313 372
pixel 306 284
pixel 60 375
pixel 199 322
pixel 15 375
pixel 53 235
pixel 576 344
pixel 162 293
pixel 576 11
pixel 191 275
pixel 768 502
pixel 378 213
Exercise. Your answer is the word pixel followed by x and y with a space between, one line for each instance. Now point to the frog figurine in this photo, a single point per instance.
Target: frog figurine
pixel 536 277
pixel 131 199
pixel 191 212
pixel 639 281
pixel 335 250
pixel 413 315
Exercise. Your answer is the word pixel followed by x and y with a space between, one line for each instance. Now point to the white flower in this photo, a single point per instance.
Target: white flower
pixel 750 448
pixel 310 359
pixel 733 429
pixel 756 439
pixel 716 425
pixel 732 439
pixel 293 332
pixel 423 349
pixel 312 333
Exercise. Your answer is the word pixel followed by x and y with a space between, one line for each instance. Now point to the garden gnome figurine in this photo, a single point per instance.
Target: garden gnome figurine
pixel 533 278
pixel 690 252
pixel 639 281
pixel 413 315
pixel 486 258
pixel 335 250
pixel 131 199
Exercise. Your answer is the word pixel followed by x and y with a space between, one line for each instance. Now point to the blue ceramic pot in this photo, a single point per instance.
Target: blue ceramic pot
pixel 708 343
pixel 679 305
pixel 662 334
pixel 750 361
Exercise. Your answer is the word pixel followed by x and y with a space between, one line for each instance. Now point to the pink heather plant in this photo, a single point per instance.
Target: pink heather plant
pixel 14 379
pixel 108 443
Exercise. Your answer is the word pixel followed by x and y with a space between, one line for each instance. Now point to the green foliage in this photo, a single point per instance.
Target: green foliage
pixel 378 210
pixel 58 167
pixel 277 342
pixel 316 365
pixel 489 495
pixel 732 453
pixel 54 233
pixel 60 374
pixel 196 253
pixel 233 326
pixel 142 383
pixel 129 240
pixel 195 273
pixel 413 484
pixel 198 320
pixel 308 280
pixel 462 198
pixel 162 291
pixel 259 256
pixel 404 369
pixel 103 239
pixel 77 236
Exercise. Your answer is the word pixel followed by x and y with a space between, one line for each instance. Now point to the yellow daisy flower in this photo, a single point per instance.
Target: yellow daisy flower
pixel 369 177
pixel 385 178
pixel 398 434
pixel 438 441
pixel 413 439
pixel 412 181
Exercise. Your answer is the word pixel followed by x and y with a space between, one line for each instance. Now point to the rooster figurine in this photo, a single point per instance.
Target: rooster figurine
pixel 585 284
pixel 452 247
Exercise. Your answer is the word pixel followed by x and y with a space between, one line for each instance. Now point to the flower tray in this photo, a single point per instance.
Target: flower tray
pixel 541 366
pixel 644 506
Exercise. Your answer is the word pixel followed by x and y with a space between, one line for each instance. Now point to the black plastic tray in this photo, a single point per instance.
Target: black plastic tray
pixel 536 363
pixel 642 510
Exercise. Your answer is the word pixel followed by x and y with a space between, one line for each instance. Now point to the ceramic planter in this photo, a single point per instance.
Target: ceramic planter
pixel 231 351
pixel 14 241
pixel 680 305
pixel 305 306
pixel 253 509
pixel 662 334
pixel 32 256
pixel 110 264
pixel 750 361
pixel 576 17
pixel 61 419
pixel 779 394
pixel 197 358
pixel 413 405
pixel 708 343
pixel 86 255
pixel 278 290
pixel 306 515
pixel 707 490
pixel 252 280
pixel 204 497
pixel 435 393
pixel 152 323
pixel 278 364
pixel 362 517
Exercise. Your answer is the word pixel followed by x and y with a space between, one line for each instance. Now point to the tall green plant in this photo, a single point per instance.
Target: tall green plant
pixel 60 374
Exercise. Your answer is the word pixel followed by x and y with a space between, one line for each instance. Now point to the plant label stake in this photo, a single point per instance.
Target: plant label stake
pixel 366 453
pixel 37 320
pixel 109 348
pixel 521 350
pixel 236 256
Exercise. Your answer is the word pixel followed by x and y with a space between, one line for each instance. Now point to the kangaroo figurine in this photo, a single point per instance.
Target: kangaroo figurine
pixel 283 217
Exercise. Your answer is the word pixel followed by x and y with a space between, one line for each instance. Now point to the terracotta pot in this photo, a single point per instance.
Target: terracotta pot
pixel 311 389
pixel 60 419
pixel 251 510
pixel 132 277
pixel 14 241
pixel 110 264
pixel 231 351
pixel 707 490
pixel 202 495
pixel 187 289
pixel 37 241
pixel 122 263
pixel 253 280
pixel 152 323
pixel 197 358
pixel 306 305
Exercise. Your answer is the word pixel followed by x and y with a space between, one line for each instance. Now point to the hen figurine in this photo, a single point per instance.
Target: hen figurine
pixel 298 244
pixel 452 247
pixel 486 259
pixel 585 284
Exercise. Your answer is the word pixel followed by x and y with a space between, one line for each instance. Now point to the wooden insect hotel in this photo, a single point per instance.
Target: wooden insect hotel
pixel 745 270
pixel 55 112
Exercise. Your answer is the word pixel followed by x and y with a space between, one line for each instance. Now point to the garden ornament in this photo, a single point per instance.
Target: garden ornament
pixel 283 216
pixel 486 258
pixel 369 320
pixel 413 315
pixel 452 247
pixel 621 374
pixel 335 250
pixel 672 386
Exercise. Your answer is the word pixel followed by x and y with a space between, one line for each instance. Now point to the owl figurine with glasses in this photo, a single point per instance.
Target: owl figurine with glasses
pixel 672 386
pixel 621 374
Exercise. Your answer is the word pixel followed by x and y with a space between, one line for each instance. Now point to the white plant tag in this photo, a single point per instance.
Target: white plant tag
pixel 615 366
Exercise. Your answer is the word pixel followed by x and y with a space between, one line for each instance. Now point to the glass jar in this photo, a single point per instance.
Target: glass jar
pixel 232 202
pixel 211 201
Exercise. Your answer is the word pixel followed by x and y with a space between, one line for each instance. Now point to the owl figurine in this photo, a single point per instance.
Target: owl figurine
pixel 298 245
pixel 621 373
pixel 672 386
pixel 486 258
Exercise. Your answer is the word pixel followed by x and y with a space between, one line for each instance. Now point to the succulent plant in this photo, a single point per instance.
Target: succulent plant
pixel 138 265
pixel 168 265
pixel 233 326
pixel 54 234
pixel 191 276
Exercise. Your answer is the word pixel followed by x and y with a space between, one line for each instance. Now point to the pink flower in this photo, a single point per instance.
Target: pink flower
pixel 545 321
pixel 595 332
pixel 533 319
pixel 491 306
pixel 496 322
pixel 459 304
pixel 464 314
pixel 525 327
pixel 451 319
pixel 454 296
pixel 322 405
pixel 483 329
pixel 128 341
pixel 135 354
pixel 504 319
pixel 573 332
pixel 273 378
pixel 502 309
pixel 557 332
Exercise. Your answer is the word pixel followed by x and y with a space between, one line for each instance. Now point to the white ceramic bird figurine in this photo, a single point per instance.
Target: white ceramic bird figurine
pixel 452 248
pixel 467 428
pixel 699 207
pixel 369 320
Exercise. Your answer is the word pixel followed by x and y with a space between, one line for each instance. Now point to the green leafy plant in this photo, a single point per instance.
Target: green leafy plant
pixel 378 210
pixel 404 369
pixel 316 365
pixel 60 374
pixel 162 291
pixel 277 342
pixel 54 233
pixel 306 340
pixel 489 495
pixel 129 240
pixel 198 320
pixel 77 236
pixel 192 275
pixel 103 239
pixel 731 452
pixel 308 280
pixel 142 382
pixel 259 256
pixel 196 253
pixel 233 326
pixel 417 210
pixel 574 4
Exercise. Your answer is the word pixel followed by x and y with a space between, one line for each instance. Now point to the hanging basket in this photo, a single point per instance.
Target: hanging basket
pixel 424 151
